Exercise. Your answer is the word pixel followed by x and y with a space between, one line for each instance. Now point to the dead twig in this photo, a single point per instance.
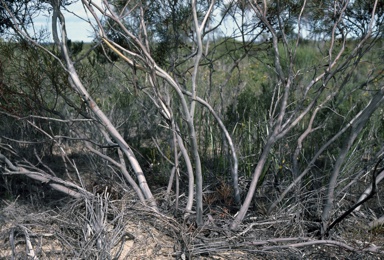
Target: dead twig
pixel 351 209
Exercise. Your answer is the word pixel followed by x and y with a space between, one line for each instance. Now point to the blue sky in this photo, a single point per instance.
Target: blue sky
pixel 80 30
pixel 77 29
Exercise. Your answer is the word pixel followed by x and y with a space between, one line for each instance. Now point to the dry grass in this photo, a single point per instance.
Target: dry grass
pixel 98 229
pixel 101 228
pixel 104 227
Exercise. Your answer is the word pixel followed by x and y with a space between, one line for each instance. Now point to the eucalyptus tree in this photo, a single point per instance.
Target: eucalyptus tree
pixel 141 58
pixel 301 93
pixel 137 33
pixel 168 52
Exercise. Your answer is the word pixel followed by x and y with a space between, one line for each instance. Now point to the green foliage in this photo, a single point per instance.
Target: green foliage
pixel 75 47
pixel 19 10
pixel 237 78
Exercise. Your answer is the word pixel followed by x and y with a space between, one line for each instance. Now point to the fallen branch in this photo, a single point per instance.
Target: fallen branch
pixel 270 245
pixel 373 249
pixel 58 184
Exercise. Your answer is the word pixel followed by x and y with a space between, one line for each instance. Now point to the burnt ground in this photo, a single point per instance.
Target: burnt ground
pixel 37 222
pixel 57 227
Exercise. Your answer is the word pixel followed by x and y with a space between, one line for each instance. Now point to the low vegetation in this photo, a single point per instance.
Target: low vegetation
pixel 176 141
